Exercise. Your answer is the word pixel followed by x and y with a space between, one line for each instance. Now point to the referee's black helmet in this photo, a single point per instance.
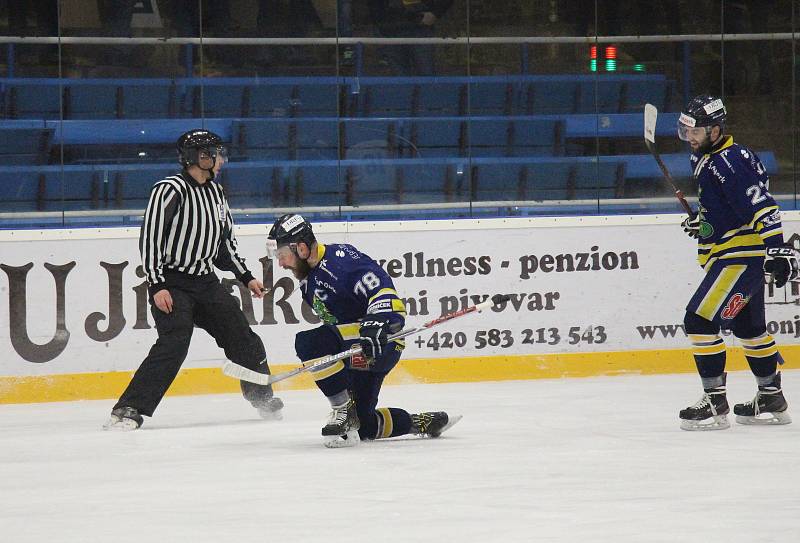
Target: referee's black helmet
pixel 191 143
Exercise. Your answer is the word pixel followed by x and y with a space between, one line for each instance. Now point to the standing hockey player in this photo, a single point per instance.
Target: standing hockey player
pixel 187 232
pixel 356 300
pixel 740 239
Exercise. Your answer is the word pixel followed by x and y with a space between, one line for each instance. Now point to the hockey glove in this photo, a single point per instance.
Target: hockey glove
pixel 782 265
pixel 692 226
pixel 373 337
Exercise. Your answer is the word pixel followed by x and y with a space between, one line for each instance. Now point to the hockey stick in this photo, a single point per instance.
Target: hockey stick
pixel 231 369
pixel 650 118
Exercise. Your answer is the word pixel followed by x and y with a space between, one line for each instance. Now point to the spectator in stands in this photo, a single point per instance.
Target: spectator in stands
pixel 408 19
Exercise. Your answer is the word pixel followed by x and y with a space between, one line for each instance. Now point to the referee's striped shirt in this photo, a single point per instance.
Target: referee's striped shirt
pixel 188 228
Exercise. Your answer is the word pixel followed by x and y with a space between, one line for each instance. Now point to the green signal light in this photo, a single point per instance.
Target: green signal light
pixel 611 65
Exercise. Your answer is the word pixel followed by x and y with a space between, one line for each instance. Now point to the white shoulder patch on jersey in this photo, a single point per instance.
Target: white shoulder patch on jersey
pixel 724 156
pixel 323 265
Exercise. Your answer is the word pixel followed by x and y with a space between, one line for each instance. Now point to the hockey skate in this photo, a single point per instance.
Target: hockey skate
pixel 432 424
pixel 269 409
pixel 342 427
pixel 124 419
pixel 769 407
pixel 709 413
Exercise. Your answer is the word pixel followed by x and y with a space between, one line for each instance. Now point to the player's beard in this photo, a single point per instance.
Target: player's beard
pixel 301 269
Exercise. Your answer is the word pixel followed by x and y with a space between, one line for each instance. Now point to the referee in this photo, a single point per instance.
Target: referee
pixel 187 232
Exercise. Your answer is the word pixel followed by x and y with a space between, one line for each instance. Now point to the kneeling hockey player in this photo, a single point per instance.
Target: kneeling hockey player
pixel 356 300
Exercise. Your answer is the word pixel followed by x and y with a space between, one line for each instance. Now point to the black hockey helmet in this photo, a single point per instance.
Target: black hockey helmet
pixel 289 229
pixel 191 143
pixel 702 111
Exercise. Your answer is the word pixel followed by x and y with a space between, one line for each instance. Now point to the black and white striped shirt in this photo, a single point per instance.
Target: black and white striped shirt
pixel 188 228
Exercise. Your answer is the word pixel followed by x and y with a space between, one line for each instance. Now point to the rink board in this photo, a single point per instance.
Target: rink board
pixel 590 296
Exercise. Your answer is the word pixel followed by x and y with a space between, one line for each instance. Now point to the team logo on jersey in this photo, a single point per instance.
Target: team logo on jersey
pixel 706 230
pixel 716 172
pixel 735 304
pixel 322 312
pixel 772 219
pixel 359 362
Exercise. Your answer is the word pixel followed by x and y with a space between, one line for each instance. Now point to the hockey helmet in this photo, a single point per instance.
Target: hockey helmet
pixel 289 230
pixel 193 142
pixel 703 111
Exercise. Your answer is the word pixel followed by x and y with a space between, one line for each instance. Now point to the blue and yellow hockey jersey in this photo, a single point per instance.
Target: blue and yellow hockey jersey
pixel 346 285
pixel 738 216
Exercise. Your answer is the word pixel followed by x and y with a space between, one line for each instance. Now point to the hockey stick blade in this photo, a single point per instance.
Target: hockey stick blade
pixel 650 120
pixel 231 369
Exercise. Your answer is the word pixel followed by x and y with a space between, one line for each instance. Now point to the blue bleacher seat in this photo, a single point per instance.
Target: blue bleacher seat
pixel 490 98
pixel 496 181
pixel 33 101
pixel 388 100
pixel 370 138
pixel 430 182
pixel 638 93
pixel 148 101
pixel 323 185
pixel 250 186
pixel 547 181
pixel 21 146
pixel 537 137
pixel 436 138
pixel 372 182
pixel 490 137
pixel 598 180
pixel 314 140
pixel 217 101
pixel 272 100
pixel 72 190
pixel 91 101
pixel 132 186
pixel 441 98
pixel 261 139
pixel 21 190
pixel 317 100
pixel 549 97
pixel 602 95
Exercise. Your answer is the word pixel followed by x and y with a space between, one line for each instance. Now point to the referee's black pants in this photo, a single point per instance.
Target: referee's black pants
pixel 201 301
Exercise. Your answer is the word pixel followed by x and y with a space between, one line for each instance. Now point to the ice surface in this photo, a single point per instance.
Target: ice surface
pixel 578 460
